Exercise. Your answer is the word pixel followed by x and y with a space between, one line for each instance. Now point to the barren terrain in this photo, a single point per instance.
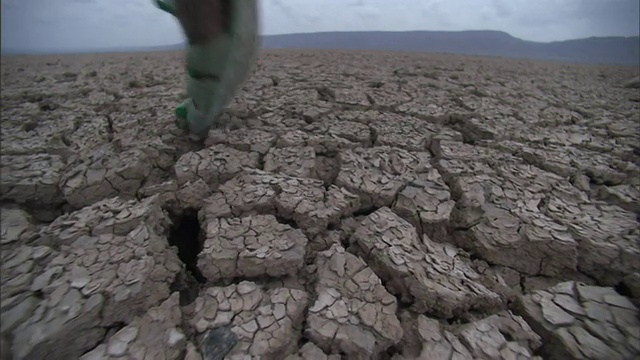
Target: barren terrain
pixel 357 206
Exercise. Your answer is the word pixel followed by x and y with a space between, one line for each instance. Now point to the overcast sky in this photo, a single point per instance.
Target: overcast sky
pixel 73 24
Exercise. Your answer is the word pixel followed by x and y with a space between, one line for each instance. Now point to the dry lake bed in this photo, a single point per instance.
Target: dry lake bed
pixel 358 205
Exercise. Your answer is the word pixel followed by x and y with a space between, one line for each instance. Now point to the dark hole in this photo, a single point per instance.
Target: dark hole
pixel 38 294
pixel 507 336
pixel 185 235
pixel 286 221
pixel 622 289
pixel 48 106
pixel 365 212
pixel 117 326
pixel 393 350
pixel 345 242
pixel 30 126
pixel 308 119
pixel 305 336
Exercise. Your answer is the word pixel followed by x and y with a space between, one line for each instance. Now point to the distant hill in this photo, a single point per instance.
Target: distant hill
pixel 594 50
pixel 173 47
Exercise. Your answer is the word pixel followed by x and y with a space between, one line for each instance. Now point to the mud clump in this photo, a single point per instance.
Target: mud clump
pixel 583 322
pixel 431 276
pixel 251 247
pixel 365 209
pixel 353 314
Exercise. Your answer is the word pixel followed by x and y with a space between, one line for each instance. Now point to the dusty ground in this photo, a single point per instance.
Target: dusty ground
pixel 368 206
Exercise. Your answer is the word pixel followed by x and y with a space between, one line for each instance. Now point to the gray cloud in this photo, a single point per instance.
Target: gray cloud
pixel 37 24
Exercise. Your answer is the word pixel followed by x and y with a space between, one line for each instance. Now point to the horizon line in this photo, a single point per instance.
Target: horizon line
pixel 72 49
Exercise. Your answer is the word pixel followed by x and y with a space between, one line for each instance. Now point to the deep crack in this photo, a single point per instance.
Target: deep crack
pixel 186 235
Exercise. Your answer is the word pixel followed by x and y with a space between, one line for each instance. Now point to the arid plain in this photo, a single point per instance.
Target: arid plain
pixel 358 205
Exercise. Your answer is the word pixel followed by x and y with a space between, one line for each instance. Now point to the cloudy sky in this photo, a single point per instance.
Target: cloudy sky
pixel 75 24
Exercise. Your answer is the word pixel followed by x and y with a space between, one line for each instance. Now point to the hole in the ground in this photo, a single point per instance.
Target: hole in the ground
pixel 456 320
pixel 506 335
pixel 393 350
pixel 285 221
pixel 622 289
pixel 333 226
pixel 344 241
pixel 185 234
pixel 115 327
pixel 261 160
pixel 304 337
pixel 187 286
pixel 365 212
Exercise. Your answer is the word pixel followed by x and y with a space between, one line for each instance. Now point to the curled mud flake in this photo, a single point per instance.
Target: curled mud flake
pixel 251 246
pixel 352 131
pixel 305 201
pixel 445 148
pixel 425 338
pixel 632 284
pixel 607 235
pixel 500 336
pixel 104 174
pixel 353 301
pixel 349 96
pixel 310 351
pixel 445 134
pixel 454 169
pixel 25 269
pixel 313 207
pixel 429 274
pixel 504 224
pixel 598 166
pixel 32 180
pixel 111 216
pixel 156 334
pixel 44 335
pixel 474 129
pixel 378 174
pixel 191 195
pixel 292 161
pixel 624 196
pixel 16 226
pixel 325 241
pixel 166 191
pixel 96 281
pixel 582 322
pixel 438 105
pixel 427 205
pixel 244 139
pixel 321 144
pixel 553 160
pixel 254 324
pixel 402 132
pixel 16 310
pixel 214 165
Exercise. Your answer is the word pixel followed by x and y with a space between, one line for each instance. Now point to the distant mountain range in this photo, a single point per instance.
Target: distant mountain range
pixel 594 50
pixel 598 50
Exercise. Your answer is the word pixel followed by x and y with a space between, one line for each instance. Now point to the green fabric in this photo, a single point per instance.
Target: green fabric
pixel 166 5
pixel 227 59
pixel 209 59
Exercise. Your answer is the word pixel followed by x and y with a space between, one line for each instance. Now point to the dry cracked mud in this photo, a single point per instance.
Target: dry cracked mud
pixel 357 206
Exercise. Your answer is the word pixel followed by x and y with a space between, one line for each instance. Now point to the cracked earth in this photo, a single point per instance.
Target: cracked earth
pixel 357 206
